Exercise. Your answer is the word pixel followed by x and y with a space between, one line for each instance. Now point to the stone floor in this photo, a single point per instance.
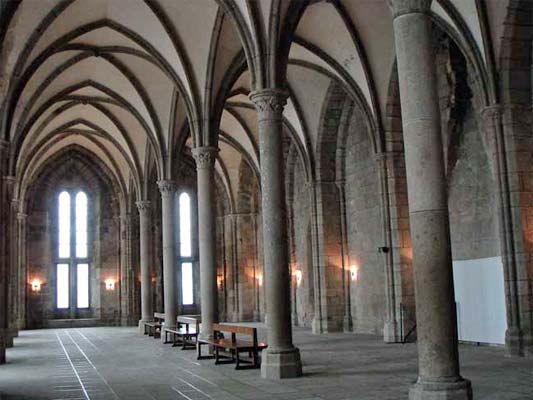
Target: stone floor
pixel 117 363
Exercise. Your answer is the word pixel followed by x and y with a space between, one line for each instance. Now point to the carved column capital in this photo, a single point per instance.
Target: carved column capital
pixel 144 206
pixel 402 7
pixel 341 183
pixel 167 187
pixel 269 102
pixel 205 156
pixel 22 216
pixel 494 111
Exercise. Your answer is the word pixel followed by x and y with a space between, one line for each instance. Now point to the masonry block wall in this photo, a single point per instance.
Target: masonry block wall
pixel 363 214
pixel 104 245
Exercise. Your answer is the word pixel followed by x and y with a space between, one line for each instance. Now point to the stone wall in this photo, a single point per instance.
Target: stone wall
pixel 301 254
pixel 364 229
pixel 104 225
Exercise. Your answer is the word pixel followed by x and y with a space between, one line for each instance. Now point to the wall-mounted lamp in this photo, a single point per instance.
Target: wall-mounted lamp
pixel 354 269
pixel 220 281
pixel 298 275
pixel 259 280
pixel 383 249
pixel 36 285
pixel 109 284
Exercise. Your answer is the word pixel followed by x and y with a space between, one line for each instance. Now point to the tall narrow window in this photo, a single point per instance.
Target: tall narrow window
pixel 186 276
pixel 83 285
pixel 72 268
pixel 64 225
pixel 186 249
pixel 63 286
pixel 185 225
pixel 81 225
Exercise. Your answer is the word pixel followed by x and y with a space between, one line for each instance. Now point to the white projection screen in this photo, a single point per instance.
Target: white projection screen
pixel 480 298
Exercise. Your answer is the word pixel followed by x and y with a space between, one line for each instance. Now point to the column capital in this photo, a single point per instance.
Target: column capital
pixel 269 100
pixel 402 7
pixel 143 205
pixel 167 187
pixel 494 111
pixel 21 216
pixel 340 183
pixel 9 179
pixel 205 156
pixel 4 145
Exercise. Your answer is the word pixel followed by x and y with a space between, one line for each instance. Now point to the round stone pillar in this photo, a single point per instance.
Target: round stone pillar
pixel 438 361
pixel 145 222
pixel 205 169
pixel 3 256
pixel 281 359
pixel 168 189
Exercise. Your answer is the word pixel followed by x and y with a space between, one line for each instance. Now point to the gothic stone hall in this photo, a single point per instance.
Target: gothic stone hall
pixel 266 199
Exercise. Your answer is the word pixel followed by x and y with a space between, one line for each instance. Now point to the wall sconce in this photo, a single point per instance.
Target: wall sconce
pixel 220 280
pixel 298 275
pixel 109 284
pixel 36 285
pixel 354 269
pixel 260 280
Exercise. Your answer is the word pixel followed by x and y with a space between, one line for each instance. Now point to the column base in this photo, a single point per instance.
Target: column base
pixel 141 325
pixel 21 323
pixel 528 344
pixel 347 323
pixel 163 327
pixel 459 389
pixel 281 364
pixel 9 338
pixel 390 332
pixel 514 342
pixel 2 347
pixel 294 319
pixel 316 326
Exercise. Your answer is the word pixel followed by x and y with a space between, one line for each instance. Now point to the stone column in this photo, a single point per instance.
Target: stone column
pixel 390 328
pixel 346 278
pixel 205 166
pixel 22 270
pixel 167 189
pixel 12 263
pixel 3 256
pixel 145 229
pixel 281 359
pixel 438 360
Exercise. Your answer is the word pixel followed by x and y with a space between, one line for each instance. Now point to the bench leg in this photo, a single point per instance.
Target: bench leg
pixel 237 360
pixel 255 359
pixel 216 355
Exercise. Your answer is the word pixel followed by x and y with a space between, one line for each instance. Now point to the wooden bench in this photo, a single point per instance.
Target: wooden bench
pixel 154 328
pixel 185 333
pixel 234 345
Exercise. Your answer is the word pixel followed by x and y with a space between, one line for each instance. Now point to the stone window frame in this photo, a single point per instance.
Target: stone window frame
pixel 73 310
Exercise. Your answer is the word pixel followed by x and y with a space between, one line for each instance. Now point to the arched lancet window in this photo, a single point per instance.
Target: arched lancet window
pixel 185 246
pixel 72 267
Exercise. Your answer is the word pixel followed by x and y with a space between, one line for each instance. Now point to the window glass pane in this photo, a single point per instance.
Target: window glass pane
pixel 83 285
pixel 186 283
pixel 62 286
pixel 185 225
pixel 81 225
pixel 64 225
